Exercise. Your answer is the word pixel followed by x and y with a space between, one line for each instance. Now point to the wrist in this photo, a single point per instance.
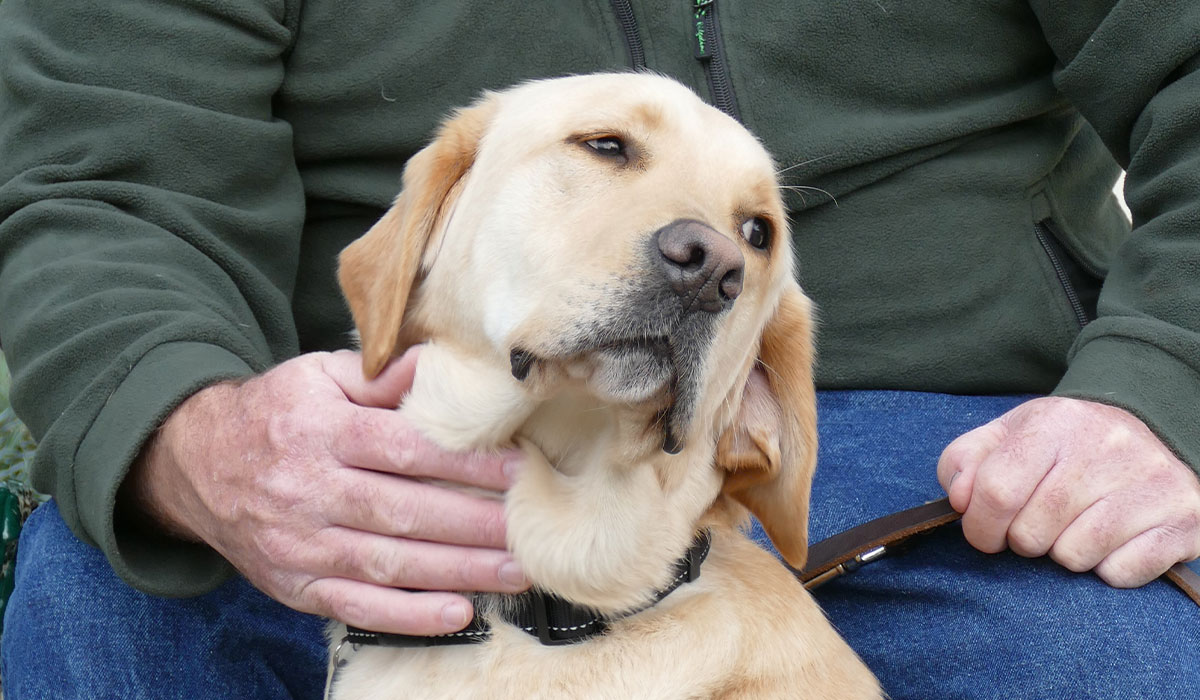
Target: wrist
pixel 156 491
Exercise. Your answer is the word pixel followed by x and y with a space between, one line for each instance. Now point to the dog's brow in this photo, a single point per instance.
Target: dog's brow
pixel 648 114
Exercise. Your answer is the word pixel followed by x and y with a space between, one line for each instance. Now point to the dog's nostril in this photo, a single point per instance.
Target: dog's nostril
pixel 731 285
pixel 701 265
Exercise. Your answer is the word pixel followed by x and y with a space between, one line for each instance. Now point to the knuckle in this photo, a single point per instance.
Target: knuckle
pixel 387 566
pixel 284 429
pixel 1125 573
pixel 1118 439
pixel 999 496
pixel 394 512
pixel 1071 558
pixel 285 493
pixel 492 524
pixel 407 514
pixel 1027 541
pixel 1178 535
pixel 398 446
pixel 477 570
pixel 468 573
pixel 403 455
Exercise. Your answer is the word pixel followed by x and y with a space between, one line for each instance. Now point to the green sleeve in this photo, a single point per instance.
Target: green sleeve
pixel 150 218
pixel 1133 70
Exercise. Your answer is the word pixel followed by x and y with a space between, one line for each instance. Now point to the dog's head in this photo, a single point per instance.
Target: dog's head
pixel 615 237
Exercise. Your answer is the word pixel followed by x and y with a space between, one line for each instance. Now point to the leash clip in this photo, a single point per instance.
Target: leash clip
pixel 847 567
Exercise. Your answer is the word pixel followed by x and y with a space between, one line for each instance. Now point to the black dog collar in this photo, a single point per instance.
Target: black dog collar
pixel 551 619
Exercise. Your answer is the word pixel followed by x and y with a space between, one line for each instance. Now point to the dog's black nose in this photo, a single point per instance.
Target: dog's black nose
pixel 700 264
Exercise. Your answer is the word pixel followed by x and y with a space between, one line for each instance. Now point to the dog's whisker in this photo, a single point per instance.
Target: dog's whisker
pixel 801 189
pixel 769 369
pixel 803 163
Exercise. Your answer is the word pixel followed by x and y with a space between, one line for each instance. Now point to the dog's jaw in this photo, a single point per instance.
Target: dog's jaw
pixel 592 516
pixel 462 401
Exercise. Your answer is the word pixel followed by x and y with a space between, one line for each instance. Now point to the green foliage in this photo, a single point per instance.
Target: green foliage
pixel 16 445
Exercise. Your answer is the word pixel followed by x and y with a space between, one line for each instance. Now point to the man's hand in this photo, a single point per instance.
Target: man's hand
pixel 1087 483
pixel 301 478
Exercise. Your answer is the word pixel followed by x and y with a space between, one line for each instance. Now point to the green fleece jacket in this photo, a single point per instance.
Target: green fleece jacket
pixel 176 179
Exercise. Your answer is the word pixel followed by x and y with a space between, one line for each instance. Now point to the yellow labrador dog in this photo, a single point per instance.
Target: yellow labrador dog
pixel 601 268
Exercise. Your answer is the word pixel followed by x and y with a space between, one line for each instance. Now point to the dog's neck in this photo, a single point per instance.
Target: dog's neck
pixel 599 514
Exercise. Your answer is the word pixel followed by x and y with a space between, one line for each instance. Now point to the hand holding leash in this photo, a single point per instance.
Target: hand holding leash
pixel 1086 483
pixel 309 483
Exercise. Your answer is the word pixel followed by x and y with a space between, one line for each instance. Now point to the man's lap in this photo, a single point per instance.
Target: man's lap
pixel 940 620
pixel 74 630
pixel 944 620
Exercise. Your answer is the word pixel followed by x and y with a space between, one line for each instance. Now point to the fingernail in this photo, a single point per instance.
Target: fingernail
pixel 511 574
pixel 952 478
pixel 455 615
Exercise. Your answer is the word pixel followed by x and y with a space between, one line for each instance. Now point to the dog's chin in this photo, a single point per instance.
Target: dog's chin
pixel 631 375
pixel 652 376
pixel 645 378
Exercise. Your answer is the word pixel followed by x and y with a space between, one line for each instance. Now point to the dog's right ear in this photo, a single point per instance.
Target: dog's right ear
pixel 770 451
pixel 377 272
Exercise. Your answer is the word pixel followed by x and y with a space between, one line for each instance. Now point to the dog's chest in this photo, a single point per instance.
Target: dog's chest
pixel 651 660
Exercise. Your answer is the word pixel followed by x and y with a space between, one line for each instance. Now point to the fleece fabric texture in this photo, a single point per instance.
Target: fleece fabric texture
pixel 177 178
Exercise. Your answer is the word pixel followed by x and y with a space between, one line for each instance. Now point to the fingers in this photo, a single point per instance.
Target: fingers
pixel 413 564
pixel 960 461
pixel 397 507
pixel 990 474
pixel 387 610
pixel 1087 484
pixel 1131 538
pixel 1097 532
pixel 1147 556
pixel 381 440
pixel 1065 495
pixel 384 391
pixel 360 576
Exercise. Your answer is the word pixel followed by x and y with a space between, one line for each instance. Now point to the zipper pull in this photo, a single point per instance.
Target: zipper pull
pixel 702 50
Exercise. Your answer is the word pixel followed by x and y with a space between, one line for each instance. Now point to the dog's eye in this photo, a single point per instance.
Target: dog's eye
pixel 757 232
pixel 608 146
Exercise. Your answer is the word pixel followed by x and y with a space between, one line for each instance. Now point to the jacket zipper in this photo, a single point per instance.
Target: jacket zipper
pixel 1042 232
pixel 629 28
pixel 711 54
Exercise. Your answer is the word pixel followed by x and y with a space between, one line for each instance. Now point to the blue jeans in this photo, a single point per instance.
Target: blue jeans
pixel 939 621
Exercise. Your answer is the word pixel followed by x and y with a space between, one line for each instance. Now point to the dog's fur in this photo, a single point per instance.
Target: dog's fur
pixel 513 234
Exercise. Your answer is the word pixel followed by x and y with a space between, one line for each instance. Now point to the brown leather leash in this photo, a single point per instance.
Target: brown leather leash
pixel 847 551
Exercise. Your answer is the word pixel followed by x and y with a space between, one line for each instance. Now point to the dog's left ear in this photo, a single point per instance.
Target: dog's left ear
pixel 377 272
pixel 770 451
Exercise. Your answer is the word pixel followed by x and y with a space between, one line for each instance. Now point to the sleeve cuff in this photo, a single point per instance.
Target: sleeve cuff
pixel 160 381
pixel 1145 380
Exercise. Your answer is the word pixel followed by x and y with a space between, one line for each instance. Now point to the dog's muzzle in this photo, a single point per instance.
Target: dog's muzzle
pixel 700 265
pixel 651 340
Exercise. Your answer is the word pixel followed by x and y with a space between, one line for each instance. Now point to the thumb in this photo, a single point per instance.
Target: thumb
pixel 386 390
pixel 960 461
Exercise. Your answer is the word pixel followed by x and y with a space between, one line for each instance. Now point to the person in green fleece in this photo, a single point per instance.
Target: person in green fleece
pixel 177 178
